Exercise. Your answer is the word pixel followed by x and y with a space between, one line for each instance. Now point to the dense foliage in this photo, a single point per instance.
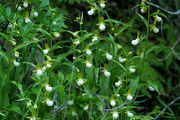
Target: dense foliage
pixel 87 59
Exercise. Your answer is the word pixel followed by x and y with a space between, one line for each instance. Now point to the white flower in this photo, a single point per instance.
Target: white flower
pixel 25 4
pixel 106 73
pixel 16 63
pixel 88 64
pixel 115 115
pixel 129 97
pixel 80 82
pixel 16 54
pixel 102 5
pixel 48 88
pixel 56 34
pixel 159 19
pixel 129 114
pixel 155 30
pixel 108 56
pixel 39 72
pixel 117 84
pixel 44 68
pixel 91 12
pixel 36 14
pixel 77 42
pixel 74 113
pixel 113 102
pixel 45 51
pixel 33 118
pixel 70 102
pixel 135 42
pixel 132 70
pixel 49 102
pixel 48 65
pixel 151 88
pixel 102 26
pixel 88 52
pixel 27 20
pixel 94 38
pixel 19 8
pixel 10 26
pixel 86 107
pixel 122 59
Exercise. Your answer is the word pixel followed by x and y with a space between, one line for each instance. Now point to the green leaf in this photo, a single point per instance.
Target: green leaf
pixel 26 43
pixel 2 53
pixel 125 26
pixel 5 36
pixel 44 3
pixel 8 11
pixel 143 19
pixel 14 108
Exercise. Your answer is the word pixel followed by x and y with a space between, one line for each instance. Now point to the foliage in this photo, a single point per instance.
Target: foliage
pixel 58 62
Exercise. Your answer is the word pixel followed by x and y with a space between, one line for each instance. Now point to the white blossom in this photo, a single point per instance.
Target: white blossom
pixel 117 84
pixel 27 20
pixel 16 63
pixel 49 102
pixel 129 114
pixel 102 5
pixel 151 88
pixel 39 72
pixel 36 14
pixel 25 4
pixel 88 52
pixel 113 102
pixel 102 27
pixel 129 97
pixel 80 82
pixel 88 64
pixel 115 115
pixel 107 73
pixel 91 12
pixel 48 88
pixel 108 56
